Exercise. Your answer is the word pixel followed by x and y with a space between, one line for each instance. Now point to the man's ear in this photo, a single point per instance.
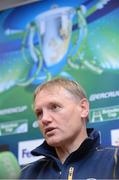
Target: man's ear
pixel 84 104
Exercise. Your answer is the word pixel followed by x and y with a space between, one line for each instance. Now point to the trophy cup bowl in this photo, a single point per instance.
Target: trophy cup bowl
pixel 55 29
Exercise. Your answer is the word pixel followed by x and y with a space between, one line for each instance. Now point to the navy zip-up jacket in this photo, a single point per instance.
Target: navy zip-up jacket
pixel 90 160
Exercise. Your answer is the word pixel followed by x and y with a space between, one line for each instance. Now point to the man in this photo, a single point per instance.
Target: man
pixel 70 150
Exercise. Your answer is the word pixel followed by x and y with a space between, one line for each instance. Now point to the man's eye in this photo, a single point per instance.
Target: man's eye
pixel 39 114
pixel 55 107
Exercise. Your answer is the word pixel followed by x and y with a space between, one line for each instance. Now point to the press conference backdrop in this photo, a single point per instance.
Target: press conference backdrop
pixel 78 40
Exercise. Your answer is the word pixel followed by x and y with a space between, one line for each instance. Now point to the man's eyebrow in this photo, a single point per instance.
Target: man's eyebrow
pixel 48 103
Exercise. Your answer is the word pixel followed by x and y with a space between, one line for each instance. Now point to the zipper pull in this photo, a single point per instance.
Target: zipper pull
pixel 70 175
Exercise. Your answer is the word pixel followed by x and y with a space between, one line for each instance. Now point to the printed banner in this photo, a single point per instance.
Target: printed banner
pixel 78 40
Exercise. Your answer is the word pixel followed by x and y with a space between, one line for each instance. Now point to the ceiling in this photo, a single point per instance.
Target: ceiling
pixel 5 4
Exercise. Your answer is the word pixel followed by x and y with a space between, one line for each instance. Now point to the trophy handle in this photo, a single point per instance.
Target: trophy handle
pixel 35 53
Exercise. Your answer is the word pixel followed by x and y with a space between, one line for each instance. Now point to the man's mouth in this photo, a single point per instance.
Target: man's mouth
pixel 49 130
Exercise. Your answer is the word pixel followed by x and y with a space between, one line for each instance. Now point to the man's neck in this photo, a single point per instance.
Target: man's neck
pixel 65 150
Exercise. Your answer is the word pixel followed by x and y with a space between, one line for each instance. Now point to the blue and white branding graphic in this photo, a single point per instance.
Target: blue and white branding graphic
pixel 14 127
pixel 115 137
pixel 24 149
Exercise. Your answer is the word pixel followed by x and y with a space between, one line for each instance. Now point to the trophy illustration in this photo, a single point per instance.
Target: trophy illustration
pixel 50 41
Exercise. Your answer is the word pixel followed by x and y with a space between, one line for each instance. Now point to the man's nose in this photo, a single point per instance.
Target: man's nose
pixel 46 118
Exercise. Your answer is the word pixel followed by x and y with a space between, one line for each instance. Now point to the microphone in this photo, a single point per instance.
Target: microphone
pixel 9 167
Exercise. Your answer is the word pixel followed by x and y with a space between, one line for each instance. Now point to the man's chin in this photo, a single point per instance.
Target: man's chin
pixel 53 143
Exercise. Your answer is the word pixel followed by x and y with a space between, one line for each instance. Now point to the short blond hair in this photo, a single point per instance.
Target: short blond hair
pixel 72 86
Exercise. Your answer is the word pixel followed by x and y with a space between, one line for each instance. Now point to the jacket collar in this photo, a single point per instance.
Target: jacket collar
pixel 88 144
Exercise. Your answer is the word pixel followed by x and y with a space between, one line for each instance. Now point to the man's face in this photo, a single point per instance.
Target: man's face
pixel 60 116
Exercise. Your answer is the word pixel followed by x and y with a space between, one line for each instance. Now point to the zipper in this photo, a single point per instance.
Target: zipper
pixel 115 159
pixel 70 175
